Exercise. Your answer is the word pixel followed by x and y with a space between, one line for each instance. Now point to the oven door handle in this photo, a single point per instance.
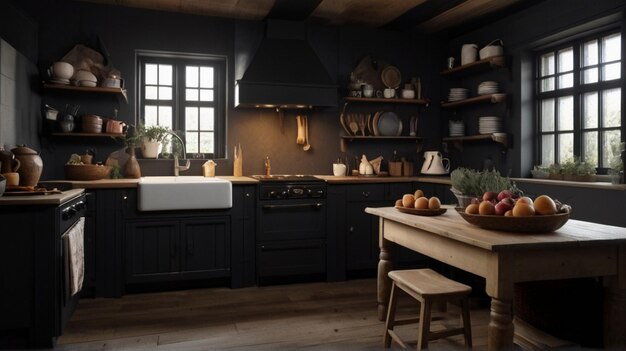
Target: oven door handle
pixel 277 207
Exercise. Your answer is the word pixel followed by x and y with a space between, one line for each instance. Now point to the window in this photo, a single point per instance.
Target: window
pixel 579 100
pixel 187 94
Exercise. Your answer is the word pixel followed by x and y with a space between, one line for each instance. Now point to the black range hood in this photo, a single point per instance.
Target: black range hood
pixel 285 72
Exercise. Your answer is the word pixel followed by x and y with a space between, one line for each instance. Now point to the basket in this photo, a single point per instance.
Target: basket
pixel 529 224
pixel 87 172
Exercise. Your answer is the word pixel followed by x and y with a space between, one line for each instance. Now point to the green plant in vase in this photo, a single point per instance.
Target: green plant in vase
pixel 152 141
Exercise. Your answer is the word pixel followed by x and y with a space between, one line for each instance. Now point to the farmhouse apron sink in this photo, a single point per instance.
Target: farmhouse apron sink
pixel 184 193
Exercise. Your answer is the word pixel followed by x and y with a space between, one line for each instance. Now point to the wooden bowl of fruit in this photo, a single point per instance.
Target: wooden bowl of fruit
pixel 418 204
pixel 523 215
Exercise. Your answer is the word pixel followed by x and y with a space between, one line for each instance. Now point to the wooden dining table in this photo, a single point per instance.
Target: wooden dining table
pixel 578 249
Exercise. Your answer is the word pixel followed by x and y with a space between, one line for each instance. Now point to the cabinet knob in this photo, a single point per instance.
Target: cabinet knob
pixel 247 194
pixel 366 193
pixel 351 229
pixel 125 197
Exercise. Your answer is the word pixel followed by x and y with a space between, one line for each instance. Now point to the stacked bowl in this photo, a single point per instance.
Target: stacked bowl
pixel 488 87
pixel 489 124
pixel 457 94
pixel 92 124
pixel 457 128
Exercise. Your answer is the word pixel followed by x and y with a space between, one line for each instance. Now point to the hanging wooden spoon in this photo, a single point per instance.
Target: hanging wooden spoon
pixel 306 146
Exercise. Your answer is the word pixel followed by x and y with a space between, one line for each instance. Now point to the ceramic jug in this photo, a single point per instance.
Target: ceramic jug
pixel 434 163
pixel 469 53
pixel 31 165
pixel 8 161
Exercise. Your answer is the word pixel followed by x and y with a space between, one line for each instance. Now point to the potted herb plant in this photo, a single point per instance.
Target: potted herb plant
pixel 152 140
pixel 617 165
pixel 577 170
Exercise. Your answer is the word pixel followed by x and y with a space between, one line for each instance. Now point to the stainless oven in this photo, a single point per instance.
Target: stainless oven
pixel 291 228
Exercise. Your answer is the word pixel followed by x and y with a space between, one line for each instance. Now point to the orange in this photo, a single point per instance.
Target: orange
pixel 418 194
pixel 524 200
pixel 522 209
pixel 408 200
pixel 471 209
pixel 486 208
pixel 421 203
pixel 544 205
pixel 398 203
pixel 434 203
pixel 508 213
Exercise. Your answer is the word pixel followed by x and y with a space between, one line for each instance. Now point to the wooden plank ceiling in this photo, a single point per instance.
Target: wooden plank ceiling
pixel 400 15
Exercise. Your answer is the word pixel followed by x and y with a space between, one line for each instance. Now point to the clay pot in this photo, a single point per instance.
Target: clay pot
pixel 131 169
pixel 8 162
pixel 31 165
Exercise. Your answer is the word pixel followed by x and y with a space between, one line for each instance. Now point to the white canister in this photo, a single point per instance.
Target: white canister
pixel 339 169
pixel 389 93
pixel 469 52
pixel 368 90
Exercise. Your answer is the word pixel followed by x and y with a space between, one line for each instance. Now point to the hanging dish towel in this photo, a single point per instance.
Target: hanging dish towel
pixel 74 241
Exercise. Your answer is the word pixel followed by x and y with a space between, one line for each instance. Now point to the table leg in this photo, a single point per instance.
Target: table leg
pixel 383 281
pixel 500 331
pixel 615 305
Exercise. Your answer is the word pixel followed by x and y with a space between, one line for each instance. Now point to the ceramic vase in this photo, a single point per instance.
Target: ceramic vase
pixel 131 169
pixel 150 148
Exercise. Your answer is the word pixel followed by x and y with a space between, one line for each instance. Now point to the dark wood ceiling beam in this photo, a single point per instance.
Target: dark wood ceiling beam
pixel 298 10
pixel 420 14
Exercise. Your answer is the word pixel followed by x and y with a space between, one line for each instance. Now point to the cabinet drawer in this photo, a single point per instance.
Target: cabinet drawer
pixel 366 192
pixel 293 257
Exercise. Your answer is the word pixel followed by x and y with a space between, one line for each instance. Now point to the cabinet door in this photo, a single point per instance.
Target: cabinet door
pixel 206 247
pixel 362 239
pixel 152 251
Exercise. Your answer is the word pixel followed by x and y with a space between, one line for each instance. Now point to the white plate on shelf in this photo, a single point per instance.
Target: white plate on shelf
pixel 389 124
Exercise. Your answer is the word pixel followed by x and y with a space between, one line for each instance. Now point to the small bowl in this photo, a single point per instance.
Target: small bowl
pixel 408 94
pixel 87 172
pixel 62 70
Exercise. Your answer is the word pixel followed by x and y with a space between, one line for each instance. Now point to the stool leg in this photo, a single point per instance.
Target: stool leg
pixel 391 315
pixel 467 324
pixel 423 330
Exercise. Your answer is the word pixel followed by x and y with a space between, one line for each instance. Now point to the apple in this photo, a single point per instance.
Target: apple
pixel 504 194
pixel 509 200
pixel 502 207
pixel 490 196
pixel 475 201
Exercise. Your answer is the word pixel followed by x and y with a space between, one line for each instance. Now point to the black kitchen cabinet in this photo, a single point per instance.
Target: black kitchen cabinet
pixel 181 249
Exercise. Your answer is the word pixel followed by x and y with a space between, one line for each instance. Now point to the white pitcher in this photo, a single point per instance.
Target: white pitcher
pixel 469 52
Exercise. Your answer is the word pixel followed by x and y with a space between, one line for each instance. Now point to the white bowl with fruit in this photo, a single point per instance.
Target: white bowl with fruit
pixel 508 212
pixel 418 204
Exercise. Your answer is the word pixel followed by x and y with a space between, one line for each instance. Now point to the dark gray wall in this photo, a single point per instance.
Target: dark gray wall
pixel 340 49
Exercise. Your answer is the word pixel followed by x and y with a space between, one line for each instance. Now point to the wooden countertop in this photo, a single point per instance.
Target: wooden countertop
pixel 51 199
pixel 375 179
pixel 130 183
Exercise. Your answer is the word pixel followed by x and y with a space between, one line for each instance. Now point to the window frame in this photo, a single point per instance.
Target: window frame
pixel 179 62
pixel 577 91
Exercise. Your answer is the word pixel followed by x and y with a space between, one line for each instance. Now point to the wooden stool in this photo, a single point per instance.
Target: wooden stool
pixel 426 286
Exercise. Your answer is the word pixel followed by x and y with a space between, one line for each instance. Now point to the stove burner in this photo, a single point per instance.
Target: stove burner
pixel 287 178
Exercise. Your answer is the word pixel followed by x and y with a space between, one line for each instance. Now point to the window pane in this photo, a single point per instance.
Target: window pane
pixel 547 149
pixel 206 94
pixel 151 93
pixel 611 137
pixel 165 116
pixel 590 148
pixel 206 142
pixel 150 115
pixel 191 94
pixel 566 81
pixel 566 113
pixel 151 73
pixel 191 118
pixel 612 71
pixel 547 84
pixel 611 108
pixel 165 75
pixel 590 75
pixel 547 64
pixel 590 110
pixel 566 60
pixel 566 147
pixel 207 117
pixel 206 77
pixel 191 142
pixel 611 48
pixel 165 93
pixel 547 115
pixel 590 53
pixel 191 77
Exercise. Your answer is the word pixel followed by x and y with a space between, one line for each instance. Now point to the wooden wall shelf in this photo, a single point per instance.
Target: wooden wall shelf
pixel 350 138
pixel 477 100
pixel 476 66
pixel 501 138
pixel 97 90
pixel 95 135
pixel 388 101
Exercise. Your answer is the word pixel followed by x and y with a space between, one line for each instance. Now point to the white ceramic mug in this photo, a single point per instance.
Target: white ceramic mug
pixel 389 93
pixel 368 90
pixel 469 53
pixel 339 169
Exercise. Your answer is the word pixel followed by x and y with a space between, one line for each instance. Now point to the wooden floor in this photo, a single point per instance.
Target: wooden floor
pixel 314 316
